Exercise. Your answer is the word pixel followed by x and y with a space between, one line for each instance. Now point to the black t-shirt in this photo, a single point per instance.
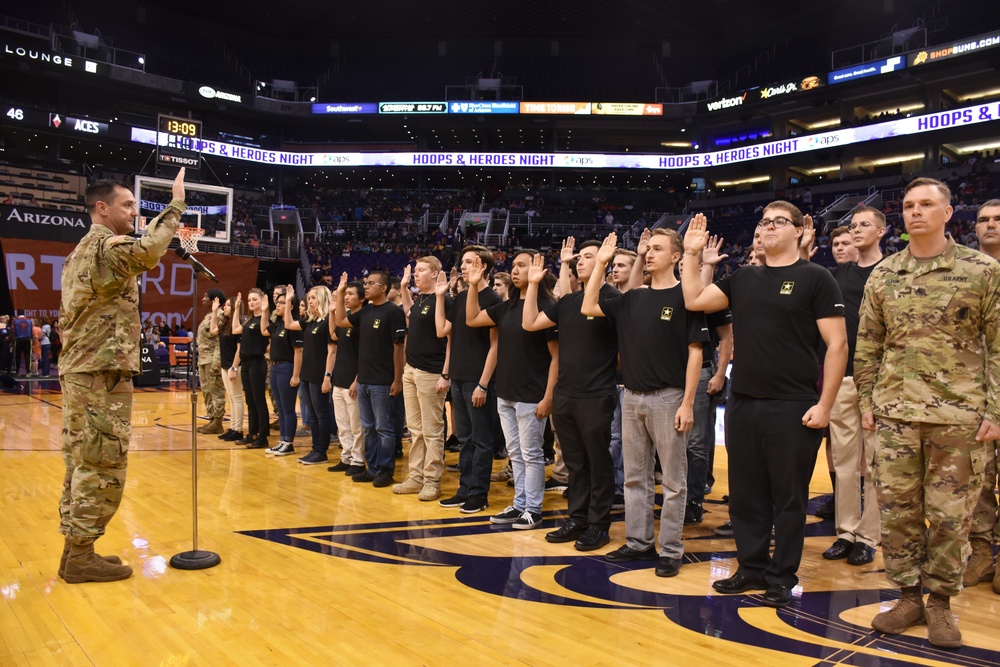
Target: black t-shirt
pixel 315 347
pixel 852 278
pixel 713 321
pixel 227 348
pixel 774 325
pixel 254 344
pixel 523 357
pixel 588 348
pixel 283 342
pixel 345 368
pixel 424 350
pixel 378 328
pixel 469 345
pixel 654 331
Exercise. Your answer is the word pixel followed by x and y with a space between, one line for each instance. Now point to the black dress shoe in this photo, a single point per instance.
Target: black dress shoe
pixel 840 549
pixel 777 596
pixel 861 554
pixel 738 583
pixel 568 532
pixel 594 538
pixel 826 510
pixel 626 553
pixel 668 567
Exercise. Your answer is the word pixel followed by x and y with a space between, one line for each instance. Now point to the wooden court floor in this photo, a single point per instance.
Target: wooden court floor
pixel 317 570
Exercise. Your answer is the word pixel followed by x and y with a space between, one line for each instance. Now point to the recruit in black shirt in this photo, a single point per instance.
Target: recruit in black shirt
pixel 523 357
pixel 378 328
pixel 852 278
pixel 654 331
pixel 315 347
pixel 283 342
pixel 345 368
pixel 227 348
pixel 713 321
pixel 588 348
pixel 469 345
pixel 254 343
pixel 774 323
pixel 424 350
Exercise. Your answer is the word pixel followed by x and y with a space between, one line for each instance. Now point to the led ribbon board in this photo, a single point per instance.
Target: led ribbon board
pixel 962 117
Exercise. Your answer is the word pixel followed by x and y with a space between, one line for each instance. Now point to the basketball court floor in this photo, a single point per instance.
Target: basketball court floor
pixel 318 570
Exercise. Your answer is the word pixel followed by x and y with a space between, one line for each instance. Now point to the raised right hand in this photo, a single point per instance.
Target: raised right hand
pixel 696 237
pixel 178 186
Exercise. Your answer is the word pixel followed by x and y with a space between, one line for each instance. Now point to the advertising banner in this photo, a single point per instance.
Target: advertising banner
pixel 34 275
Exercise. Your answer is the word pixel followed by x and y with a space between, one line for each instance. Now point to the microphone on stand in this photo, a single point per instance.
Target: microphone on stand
pixel 195 264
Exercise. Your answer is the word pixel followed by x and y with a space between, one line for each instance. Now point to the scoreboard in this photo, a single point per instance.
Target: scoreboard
pixel 177 141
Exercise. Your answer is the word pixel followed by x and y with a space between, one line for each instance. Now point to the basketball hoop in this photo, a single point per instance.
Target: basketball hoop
pixel 189 238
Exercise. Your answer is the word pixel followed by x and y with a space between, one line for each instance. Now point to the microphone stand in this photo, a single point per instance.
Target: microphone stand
pixel 195 559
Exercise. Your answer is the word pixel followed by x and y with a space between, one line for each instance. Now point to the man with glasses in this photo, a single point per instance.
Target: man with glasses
pixel 782 313
pixel 850 445
pixel 381 325
pixel 985 527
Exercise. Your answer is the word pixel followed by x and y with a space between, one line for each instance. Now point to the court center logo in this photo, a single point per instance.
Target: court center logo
pixel 818 625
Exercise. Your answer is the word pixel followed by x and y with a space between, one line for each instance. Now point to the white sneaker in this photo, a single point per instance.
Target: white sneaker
pixel 284 449
pixel 528 520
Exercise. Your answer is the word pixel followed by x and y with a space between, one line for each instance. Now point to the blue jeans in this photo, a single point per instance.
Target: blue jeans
pixel 616 446
pixel 284 398
pixel 474 430
pixel 319 416
pixel 398 422
pixel 304 404
pixel 524 432
pixel 376 408
pixel 701 440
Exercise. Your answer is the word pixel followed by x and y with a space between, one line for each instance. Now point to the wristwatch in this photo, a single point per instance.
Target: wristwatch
pixel 329 375
pixel 445 376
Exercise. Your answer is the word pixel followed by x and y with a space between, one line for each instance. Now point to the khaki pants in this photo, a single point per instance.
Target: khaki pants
pixel 853 448
pixel 345 411
pixel 425 419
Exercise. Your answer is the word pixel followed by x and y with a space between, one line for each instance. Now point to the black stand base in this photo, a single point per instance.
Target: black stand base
pixel 195 560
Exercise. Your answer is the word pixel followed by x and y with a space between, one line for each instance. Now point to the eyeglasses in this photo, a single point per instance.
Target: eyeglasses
pixel 369 283
pixel 864 224
pixel 777 223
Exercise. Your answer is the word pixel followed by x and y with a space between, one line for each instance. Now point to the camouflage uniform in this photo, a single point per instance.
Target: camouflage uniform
pixel 985 525
pixel 926 366
pixel 210 371
pixel 99 321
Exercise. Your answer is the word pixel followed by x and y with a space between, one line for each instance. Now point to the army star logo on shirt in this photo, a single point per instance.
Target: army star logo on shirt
pixel 315 329
pixel 425 310
pixel 786 287
pixel 667 313
pixel 376 323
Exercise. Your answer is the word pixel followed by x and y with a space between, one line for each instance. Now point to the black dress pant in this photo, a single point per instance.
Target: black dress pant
pixel 253 371
pixel 584 428
pixel 771 460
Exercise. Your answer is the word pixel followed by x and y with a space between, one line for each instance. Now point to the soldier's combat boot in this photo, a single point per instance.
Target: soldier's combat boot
pixel 214 426
pixel 83 565
pixel 907 612
pixel 114 560
pixel 942 630
pixel 980 567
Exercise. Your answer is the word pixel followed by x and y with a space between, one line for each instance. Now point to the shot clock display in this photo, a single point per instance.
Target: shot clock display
pixel 177 141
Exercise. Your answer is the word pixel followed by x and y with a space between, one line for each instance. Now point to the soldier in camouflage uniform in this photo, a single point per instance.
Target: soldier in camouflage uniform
pixel 926 370
pixel 99 318
pixel 210 367
pixel 985 527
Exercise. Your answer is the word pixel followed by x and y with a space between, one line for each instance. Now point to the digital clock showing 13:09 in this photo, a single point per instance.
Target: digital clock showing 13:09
pixel 184 127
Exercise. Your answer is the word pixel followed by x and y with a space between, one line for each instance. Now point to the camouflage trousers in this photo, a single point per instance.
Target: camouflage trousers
pixel 928 478
pixel 985 525
pixel 97 426
pixel 213 392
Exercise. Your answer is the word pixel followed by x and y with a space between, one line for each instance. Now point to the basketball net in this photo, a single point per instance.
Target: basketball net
pixel 189 238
